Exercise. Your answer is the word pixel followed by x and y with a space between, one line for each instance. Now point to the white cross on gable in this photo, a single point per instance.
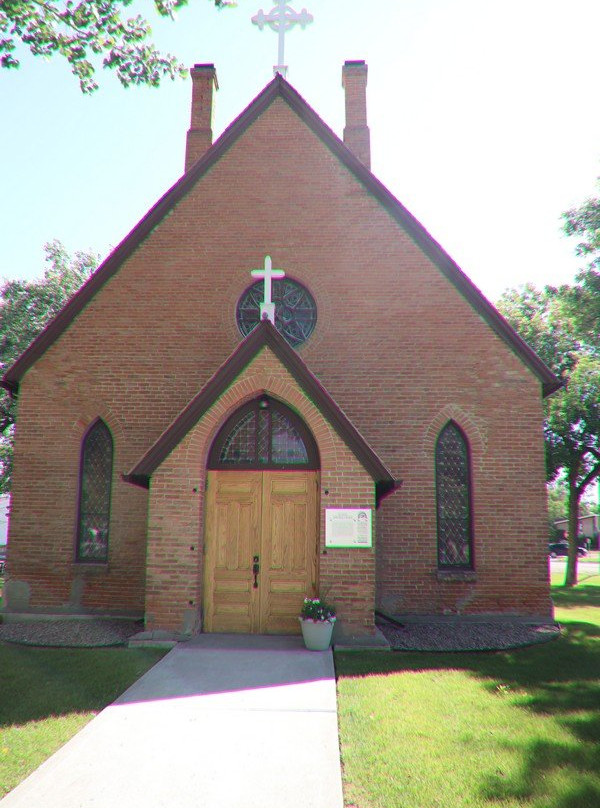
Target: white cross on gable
pixel 267 307
pixel 282 18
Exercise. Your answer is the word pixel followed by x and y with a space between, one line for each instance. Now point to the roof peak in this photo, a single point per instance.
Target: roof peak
pixel 279 87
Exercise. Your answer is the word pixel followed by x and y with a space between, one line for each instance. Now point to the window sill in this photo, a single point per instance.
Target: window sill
pixel 93 567
pixel 456 575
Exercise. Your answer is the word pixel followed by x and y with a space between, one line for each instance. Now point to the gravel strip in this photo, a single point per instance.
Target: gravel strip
pixel 70 633
pixel 410 637
pixel 464 636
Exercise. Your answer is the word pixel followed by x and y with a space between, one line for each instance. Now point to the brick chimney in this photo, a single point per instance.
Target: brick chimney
pixel 199 136
pixel 356 132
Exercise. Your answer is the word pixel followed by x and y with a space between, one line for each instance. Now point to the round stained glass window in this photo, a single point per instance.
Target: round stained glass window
pixel 295 310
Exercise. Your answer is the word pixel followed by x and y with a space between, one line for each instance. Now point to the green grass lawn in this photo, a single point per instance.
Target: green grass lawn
pixel 49 694
pixel 587 568
pixel 517 729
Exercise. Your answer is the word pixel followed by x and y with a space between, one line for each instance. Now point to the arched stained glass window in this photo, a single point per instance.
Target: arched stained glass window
pixel 264 434
pixel 94 494
pixel 295 310
pixel 453 494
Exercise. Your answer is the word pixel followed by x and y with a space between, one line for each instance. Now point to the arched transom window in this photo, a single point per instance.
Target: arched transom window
pixel 94 494
pixel 264 434
pixel 453 494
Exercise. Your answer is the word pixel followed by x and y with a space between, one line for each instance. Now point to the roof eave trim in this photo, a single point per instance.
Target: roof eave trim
pixel 424 239
pixel 263 335
pixel 140 480
pixel 548 388
pixel 384 488
pixel 327 406
pixel 136 236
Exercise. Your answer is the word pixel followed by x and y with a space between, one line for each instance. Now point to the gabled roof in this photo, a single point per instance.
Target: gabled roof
pixel 264 335
pixel 280 88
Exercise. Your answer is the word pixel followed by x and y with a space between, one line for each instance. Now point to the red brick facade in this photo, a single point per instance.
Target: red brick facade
pixel 398 346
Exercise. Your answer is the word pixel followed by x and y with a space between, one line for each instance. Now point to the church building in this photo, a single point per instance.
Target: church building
pixel 279 385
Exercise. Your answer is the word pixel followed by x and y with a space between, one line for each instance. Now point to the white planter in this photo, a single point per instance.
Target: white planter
pixel 316 634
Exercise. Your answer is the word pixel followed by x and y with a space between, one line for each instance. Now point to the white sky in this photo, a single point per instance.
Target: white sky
pixel 484 122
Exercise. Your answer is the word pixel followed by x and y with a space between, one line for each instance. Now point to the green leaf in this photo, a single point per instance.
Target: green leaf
pixel 85 32
pixel 27 307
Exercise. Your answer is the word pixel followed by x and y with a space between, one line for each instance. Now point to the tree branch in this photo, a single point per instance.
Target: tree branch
pixel 595 472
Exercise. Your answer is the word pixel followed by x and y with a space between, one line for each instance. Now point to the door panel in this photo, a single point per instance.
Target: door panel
pixel 271 514
pixel 233 504
pixel 288 560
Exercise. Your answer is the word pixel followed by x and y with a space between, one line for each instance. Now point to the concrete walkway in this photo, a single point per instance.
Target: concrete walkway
pixel 222 721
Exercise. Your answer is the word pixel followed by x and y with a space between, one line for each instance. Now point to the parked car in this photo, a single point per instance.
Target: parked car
pixel 2 558
pixel 561 548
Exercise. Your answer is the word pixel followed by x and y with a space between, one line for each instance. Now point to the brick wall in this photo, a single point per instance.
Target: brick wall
pixel 395 344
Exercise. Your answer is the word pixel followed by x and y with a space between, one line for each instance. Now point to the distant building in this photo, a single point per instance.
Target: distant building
pixel 588 526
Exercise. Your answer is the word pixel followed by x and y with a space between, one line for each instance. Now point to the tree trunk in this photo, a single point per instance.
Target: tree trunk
pixel 573 517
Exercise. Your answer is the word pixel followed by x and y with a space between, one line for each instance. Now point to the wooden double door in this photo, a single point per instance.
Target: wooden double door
pixel 260 550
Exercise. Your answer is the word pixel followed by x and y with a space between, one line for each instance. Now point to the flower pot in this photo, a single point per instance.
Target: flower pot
pixel 316 634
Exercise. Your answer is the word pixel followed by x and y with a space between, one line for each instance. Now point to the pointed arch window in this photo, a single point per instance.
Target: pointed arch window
pixel 453 495
pixel 95 483
pixel 264 434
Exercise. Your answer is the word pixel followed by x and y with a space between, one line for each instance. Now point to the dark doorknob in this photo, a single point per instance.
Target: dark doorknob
pixel 255 571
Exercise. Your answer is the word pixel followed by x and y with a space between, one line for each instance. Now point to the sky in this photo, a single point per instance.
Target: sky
pixel 484 121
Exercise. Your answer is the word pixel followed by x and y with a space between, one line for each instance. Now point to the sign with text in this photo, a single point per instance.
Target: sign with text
pixel 348 527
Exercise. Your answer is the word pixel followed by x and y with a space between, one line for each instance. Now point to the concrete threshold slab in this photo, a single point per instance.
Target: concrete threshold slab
pixel 361 642
pixel 155 639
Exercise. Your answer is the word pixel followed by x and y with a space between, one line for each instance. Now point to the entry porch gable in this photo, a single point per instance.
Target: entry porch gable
pixel 176 551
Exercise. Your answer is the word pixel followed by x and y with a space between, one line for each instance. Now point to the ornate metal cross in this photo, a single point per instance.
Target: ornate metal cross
pixel 267 307
pixel 282 18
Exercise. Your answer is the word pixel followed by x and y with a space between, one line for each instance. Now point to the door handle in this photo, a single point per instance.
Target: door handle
pixel 255 571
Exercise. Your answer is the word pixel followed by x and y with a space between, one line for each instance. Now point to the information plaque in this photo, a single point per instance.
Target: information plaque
pixel 348 527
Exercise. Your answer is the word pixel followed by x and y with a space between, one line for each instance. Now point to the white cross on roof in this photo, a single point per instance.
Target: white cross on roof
pixel 267 307
pixel 282 18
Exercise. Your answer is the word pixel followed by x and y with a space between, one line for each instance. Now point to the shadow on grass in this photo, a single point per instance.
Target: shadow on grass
pixel 558 676
pixel 582 595
pixel 572 658
pixel 559 679
pixel 577 764
pixel 42 682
